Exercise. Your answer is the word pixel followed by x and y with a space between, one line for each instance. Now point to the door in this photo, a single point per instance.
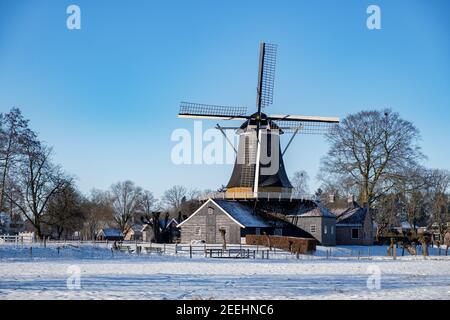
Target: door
pixel 210 228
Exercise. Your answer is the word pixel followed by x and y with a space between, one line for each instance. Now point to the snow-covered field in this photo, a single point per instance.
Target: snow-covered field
pixel 44 275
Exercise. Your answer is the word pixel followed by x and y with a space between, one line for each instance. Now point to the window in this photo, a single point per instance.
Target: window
pixel 278 232
pixel 258 231
pixel 325 229
pixel 312 228
pixel 198 231
pixel 332 229
pixel 223 228
pixel 210 210
pixel 355 233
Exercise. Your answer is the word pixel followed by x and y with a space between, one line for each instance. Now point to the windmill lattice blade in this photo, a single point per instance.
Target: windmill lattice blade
pixel 268 76
pixel 306 127
pixel 208 111
pixel 294 118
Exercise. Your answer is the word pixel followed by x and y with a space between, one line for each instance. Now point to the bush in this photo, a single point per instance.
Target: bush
pixel 291 244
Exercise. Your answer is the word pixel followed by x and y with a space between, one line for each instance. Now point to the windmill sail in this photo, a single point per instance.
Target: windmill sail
pixel 305 124
pixel 266 75
pixel 209 111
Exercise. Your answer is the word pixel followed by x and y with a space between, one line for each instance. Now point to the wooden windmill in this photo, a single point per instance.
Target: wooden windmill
pixel 259 151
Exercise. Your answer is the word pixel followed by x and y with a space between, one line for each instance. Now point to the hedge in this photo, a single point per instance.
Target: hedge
pixel 292 244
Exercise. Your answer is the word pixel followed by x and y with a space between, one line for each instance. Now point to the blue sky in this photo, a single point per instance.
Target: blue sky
pixel 106 96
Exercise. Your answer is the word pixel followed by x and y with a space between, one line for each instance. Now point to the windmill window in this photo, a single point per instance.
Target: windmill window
pixel 312 228
pixel 325 229
pixel 198 231
pixel 355 233
pixel 332 230
pixel 210 210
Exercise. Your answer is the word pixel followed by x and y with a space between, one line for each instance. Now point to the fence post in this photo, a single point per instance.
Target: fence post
pixel 176 251
pixel 190 251
pixel 31 252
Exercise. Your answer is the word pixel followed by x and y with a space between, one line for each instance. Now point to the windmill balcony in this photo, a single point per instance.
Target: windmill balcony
pixel 276 196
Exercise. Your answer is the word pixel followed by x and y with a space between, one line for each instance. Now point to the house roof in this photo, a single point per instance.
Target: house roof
pixel 318 211
pixel 239 213
pixel 162 222
pixel 354 215
pixel 243 214
pixel 137 227
pixel 110 232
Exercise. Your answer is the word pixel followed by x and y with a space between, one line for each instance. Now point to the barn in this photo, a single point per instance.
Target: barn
pixel 234 218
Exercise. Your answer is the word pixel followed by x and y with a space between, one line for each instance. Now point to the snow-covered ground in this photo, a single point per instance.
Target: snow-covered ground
pixel 104 275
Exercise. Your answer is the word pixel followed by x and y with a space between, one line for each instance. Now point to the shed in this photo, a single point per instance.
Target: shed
pixel 109 234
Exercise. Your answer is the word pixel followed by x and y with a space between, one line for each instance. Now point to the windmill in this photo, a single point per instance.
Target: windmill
pixel 259 166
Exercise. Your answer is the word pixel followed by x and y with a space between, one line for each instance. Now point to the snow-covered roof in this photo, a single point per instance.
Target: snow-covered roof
pixel 318 211
pixel 162 222
pixel 354 215
pixel 241 213
pixel 110 232
pixel 407 225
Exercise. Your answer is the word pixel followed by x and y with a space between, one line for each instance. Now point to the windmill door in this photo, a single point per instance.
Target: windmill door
pixel 210 228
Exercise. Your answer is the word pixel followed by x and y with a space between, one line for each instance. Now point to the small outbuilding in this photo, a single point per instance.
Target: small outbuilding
pixel 217 217
pixel 354 226
pixel 134 233
pixel 109 234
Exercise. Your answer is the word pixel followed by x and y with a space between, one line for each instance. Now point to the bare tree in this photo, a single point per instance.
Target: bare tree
pixel 37 180
pixel 148 203
pixel 126 199
pixel 440 200
pixel 13 130
pixel 175 196
pixel 98 213
pixel 388 212
pixel 300 181
pixel 372 149
pixel 64 211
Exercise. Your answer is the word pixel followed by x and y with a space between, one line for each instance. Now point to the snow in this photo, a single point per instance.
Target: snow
pixel 241 213
pixel 107 275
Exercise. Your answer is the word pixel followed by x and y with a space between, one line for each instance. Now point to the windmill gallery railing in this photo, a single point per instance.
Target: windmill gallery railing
pixel 259 195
